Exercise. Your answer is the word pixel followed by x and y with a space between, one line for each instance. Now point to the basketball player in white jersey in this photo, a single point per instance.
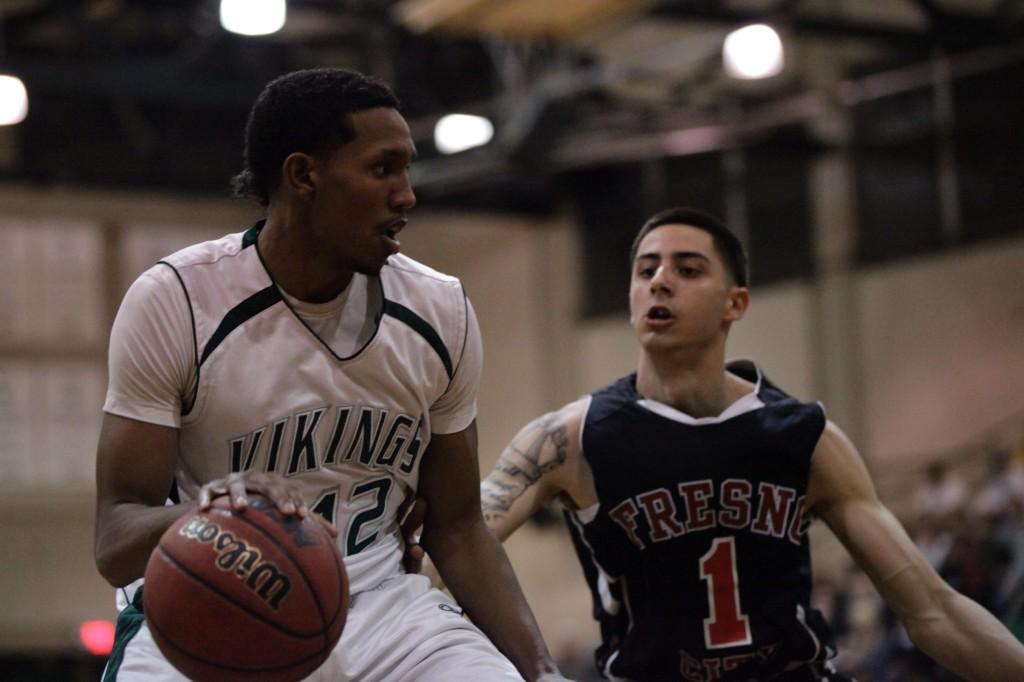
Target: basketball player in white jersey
pixel 306 359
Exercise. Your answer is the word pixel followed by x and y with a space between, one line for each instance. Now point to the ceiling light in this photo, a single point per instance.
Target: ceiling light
pixel 13 100
pixel 753 51
pixel 253 17
pixel 458 132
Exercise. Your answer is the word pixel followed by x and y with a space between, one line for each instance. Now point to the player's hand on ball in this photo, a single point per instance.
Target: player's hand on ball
pixel 274 487
pixel 236 486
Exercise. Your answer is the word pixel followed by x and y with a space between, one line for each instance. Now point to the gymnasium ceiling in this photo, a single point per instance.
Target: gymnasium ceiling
pixel 150 94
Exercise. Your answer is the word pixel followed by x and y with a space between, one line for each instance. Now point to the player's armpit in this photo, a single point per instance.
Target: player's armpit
pixel 540 463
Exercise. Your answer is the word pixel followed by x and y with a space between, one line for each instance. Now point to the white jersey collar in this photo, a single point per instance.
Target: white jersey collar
pixel 748 403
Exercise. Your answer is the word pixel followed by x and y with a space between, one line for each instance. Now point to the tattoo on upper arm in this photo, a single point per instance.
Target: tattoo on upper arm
pixel 539 448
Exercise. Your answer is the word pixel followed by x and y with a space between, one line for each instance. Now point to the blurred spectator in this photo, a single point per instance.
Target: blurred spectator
pixel 934 538
pixel 1004 484
pixel 942 495
pixel 976 561
pixel 1010 591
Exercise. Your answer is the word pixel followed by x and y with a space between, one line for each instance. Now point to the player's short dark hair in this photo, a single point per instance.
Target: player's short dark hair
pixel 727 244
pixel 303 111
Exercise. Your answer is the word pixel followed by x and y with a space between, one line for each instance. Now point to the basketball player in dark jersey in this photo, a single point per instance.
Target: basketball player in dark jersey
pixel 690 484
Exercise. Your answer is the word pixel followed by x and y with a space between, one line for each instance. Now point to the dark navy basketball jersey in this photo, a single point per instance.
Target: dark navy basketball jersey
pixel 700 530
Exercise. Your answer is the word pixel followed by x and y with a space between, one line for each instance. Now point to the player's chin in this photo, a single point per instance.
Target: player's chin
pixel 656 340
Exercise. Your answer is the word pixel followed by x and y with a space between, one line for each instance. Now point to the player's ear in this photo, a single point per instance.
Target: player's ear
pixel 737 301
pixel 299 175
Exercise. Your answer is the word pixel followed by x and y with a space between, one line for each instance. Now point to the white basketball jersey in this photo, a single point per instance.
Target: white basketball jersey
pixel 272 396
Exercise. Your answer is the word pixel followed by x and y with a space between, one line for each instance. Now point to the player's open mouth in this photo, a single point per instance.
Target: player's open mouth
pixel 659 316
pixel 390 230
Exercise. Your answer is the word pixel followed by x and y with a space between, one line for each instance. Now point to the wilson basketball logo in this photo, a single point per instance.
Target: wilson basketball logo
pixel 238 556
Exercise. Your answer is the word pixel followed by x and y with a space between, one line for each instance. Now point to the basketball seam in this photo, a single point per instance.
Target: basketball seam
pixel 222 666
pixel 327 625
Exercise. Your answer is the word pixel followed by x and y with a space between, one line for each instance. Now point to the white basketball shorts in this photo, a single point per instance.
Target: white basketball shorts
pixel 402 631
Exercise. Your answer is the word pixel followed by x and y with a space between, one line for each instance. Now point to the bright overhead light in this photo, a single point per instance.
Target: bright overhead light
pixel 753 51
pixel 13 101
pixel 458 132
pixel 253 17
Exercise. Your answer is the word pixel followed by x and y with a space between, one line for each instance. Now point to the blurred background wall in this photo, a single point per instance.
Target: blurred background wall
pixel 877 180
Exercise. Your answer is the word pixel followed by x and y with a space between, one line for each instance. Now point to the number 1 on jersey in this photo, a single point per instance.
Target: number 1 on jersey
pixel 726 626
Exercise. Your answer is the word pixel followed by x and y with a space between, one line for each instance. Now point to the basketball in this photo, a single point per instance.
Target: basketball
pixel 250 595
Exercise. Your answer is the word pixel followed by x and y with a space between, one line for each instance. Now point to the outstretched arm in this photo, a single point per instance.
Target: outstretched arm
pixel 469 558
pixel 949 627
pixel 543 461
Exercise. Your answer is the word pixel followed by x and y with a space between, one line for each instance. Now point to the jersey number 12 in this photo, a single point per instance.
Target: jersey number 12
pixel 726 625
pixel 361 528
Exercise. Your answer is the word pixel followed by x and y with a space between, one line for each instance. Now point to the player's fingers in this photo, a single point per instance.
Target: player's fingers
pixel 285 497
pixel 412 560
pixel 236 490
pixel 204 498
pixel 210 491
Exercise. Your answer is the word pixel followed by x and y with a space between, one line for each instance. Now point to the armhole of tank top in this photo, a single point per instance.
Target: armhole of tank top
pixel 187 409
pixel 824 426
pixel 585 516
pixel 457 362
pixel 588 514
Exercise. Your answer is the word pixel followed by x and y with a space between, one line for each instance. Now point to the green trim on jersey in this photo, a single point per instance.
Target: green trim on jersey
pixel 129 622
pixel 249 238
pixel 249 308
pixel 423 328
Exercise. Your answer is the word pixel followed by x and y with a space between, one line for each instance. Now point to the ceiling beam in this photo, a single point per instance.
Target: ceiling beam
pixel 811 25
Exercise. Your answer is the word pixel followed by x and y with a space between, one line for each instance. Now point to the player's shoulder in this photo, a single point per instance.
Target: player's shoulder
pixel 607 404
pixel 436 298
pixel 834 440
pixel 838 471
pixel 157 277
pixel 572 414
pixel 158 283
pixel 207 252
pixel 622 388
pixel 560 427
pixel 402 266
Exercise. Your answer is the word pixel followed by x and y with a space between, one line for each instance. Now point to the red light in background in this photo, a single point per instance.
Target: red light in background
pixel 97 636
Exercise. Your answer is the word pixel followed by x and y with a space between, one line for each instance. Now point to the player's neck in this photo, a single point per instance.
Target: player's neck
pixel 294 265
pixel 694 383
